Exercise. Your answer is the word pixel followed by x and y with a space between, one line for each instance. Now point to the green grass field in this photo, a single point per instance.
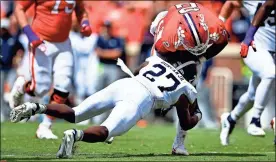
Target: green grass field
pixel 140 144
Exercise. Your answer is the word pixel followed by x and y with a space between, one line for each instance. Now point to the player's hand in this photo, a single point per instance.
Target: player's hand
pixel 86 30
pixel 248 41
pixel 245 47
pixel 36 43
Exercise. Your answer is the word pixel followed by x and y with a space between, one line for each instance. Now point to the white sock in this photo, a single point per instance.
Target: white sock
pixel 47 121
pixel 79 135
pixel 241 107
pixel 257 111
pixel 180 133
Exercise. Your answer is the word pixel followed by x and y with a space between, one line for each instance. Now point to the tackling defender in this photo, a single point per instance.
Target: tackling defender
pixel 50 52
pixel 187 35
pixel 156 85
pixel 259 59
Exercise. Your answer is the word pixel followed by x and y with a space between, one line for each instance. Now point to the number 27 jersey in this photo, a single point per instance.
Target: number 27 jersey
pixel 165 82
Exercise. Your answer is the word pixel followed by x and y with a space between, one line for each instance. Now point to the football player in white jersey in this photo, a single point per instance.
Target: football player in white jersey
pixel 157 85
pixel 259 58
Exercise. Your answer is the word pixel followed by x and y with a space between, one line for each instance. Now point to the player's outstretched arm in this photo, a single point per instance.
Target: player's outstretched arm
pixel 82 17
pixel 19 12
pixel 261 15
pixel 228 8
pixel 188 118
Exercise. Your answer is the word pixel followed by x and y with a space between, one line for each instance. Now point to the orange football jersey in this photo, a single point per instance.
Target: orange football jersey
pixel 53 19
pixel 188 20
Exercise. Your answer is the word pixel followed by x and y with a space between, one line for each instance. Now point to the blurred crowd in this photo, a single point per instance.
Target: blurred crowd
pixel 120 30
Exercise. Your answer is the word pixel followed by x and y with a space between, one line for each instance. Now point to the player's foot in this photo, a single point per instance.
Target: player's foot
pixel 178 147
pixel 45 132
pixel 227 126
pixel 17 93
pixel 180 150
pixel 66 147
pixel 255 128
pixel 110 140
pixel 25 111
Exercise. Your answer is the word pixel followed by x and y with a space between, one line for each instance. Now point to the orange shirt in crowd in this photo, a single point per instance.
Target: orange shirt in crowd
pixel 129 23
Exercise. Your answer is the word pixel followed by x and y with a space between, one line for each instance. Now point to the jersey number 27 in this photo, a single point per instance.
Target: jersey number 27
pixel 151 75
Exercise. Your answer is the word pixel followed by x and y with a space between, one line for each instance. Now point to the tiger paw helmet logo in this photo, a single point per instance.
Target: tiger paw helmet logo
pixel 181 36
pixel 202 22
pixel 214 36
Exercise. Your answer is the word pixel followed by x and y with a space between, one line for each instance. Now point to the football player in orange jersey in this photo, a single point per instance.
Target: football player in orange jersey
pixel 50 52
pixel 187 35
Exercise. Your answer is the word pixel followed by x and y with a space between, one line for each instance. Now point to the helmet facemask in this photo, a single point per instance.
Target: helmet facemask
pixel 201 48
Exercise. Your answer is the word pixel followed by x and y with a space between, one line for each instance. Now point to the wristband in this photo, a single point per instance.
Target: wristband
pixel 85 22
pixel 250 34
pixel 29 32
pixel 251 31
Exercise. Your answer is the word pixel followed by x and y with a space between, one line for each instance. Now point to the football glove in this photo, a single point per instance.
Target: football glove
pixel 248 41
pixel 86 31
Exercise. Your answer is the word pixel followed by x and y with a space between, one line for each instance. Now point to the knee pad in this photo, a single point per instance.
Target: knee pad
pixel 59 97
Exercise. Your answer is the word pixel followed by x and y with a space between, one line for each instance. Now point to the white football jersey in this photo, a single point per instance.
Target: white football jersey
pixel 265 36
pixel 165 82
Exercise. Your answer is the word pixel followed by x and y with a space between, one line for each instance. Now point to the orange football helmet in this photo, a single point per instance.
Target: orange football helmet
pixel 193 30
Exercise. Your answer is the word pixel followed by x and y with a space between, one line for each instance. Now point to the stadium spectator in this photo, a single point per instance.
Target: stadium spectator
pixel 12 52
pixel 108 49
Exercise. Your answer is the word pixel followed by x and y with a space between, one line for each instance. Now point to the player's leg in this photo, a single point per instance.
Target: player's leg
pixel 115 71
pixel 62 79
pixel 266 71
pixel 122 118
pixel 228 120
pixel 178 147
pixel 40 68
pixel 99 85
pixel 246 99
pixel 96 104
